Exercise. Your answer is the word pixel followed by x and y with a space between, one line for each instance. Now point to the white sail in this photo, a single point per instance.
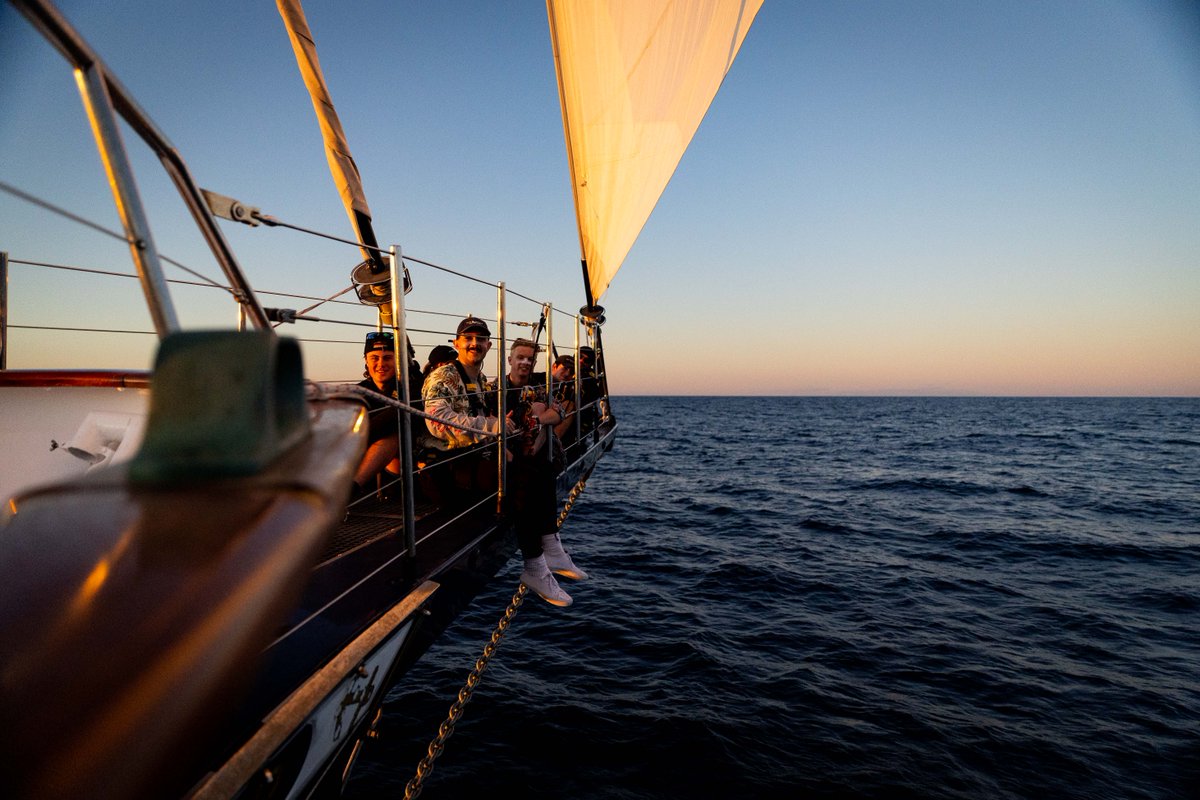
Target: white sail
pixel 635 79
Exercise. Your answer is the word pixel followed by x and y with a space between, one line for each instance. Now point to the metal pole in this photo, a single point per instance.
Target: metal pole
pixel 400 336
pixel 3 309
pixel 603 407
pixel 98 104
pixel 578 385
pixel 548 313
pixel 80 55
pixel 501 405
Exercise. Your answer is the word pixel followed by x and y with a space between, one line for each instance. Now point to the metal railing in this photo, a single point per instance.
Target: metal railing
pixel 107 103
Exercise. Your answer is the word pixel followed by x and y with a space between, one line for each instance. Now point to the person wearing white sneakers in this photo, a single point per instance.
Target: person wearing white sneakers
pixel 532 476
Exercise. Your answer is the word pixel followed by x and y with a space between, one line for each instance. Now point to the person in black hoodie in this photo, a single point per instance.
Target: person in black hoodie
pixel 383 446
pixel 532 476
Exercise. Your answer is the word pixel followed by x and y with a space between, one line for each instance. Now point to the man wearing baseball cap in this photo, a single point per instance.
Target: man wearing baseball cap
pixel 454 392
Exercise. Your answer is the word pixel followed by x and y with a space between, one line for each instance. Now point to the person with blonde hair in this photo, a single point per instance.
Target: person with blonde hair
pixel 532 477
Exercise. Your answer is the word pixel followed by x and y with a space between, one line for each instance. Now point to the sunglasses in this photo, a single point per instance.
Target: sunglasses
pixel 385 336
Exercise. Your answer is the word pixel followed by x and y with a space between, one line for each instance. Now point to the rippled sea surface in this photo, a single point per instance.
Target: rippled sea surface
pixel 845 597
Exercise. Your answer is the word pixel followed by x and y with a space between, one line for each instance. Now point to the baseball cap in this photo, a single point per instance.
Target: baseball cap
pixel 473 325
pixel 379 340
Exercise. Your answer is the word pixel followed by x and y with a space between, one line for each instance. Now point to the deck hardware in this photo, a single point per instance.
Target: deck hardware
pixel 192 433
pixel 231 209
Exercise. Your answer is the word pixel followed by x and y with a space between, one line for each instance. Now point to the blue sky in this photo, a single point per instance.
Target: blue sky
pixel 885 198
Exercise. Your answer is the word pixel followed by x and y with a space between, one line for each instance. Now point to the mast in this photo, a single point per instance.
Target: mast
pixel 371 277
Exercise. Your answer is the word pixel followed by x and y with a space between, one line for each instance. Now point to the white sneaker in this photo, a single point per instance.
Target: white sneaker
pixel 547 588
pixel 559 560
pixel 563 565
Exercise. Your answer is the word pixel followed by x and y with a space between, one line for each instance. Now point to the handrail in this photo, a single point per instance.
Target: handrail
pixel 108 94
pixel 3 310
pixel 104 378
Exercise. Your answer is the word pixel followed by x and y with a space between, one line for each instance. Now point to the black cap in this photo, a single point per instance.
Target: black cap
pixel 442 354
pixel 379 340
pixel 473 325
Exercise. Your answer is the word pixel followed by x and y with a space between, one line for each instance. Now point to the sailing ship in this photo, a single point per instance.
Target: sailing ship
pixel 194 604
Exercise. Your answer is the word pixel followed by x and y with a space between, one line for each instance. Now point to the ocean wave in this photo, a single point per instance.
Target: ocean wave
pixel 958 488
pixel 922 598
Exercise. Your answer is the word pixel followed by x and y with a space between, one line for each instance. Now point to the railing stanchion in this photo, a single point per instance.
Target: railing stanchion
pixel 501 404
pixel 3 309
pixel 548 313
pixel 400 337
pixel 96 100
pixel 578 386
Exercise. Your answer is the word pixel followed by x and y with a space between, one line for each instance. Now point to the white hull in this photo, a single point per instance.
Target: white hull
pixel 53 434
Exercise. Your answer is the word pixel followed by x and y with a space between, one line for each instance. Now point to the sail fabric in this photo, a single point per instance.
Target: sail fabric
pixel 635 80
pixel 337 150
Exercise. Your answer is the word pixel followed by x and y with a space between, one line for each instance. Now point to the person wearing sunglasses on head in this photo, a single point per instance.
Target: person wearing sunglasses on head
pixel 383 447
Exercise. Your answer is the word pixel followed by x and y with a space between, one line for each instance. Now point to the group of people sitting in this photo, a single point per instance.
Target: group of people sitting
pixel 464 409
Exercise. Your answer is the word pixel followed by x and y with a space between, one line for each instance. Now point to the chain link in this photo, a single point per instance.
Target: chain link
pixel 413 789
pixel 576 490
pixel 446 729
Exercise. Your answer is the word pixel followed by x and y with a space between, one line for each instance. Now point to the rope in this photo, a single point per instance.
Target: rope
pixel 446 729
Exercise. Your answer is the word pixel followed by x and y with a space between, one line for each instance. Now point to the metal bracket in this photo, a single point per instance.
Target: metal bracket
pixel 231 209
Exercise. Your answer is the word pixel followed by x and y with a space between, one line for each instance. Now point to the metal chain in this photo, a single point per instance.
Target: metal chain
pixel 571 498
pixel 446 729
pixel 413 789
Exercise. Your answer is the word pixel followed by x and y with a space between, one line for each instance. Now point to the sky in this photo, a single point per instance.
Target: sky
pixel 885 198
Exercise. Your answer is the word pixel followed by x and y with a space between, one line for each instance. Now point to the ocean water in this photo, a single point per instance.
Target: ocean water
pixel 845 597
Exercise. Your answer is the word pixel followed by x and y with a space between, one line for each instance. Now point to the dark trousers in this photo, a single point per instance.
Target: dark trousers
pixel 457 477
pixel 533 502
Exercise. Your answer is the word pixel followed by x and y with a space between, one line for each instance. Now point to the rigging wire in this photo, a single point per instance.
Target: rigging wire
pixel 320 303
pixel 205 285
pixel 77 330
pixel 269 220
pixel 208 282
pixel 208 285
pixel 15 192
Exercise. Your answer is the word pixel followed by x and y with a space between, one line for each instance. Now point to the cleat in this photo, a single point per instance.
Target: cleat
pixel 547 588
